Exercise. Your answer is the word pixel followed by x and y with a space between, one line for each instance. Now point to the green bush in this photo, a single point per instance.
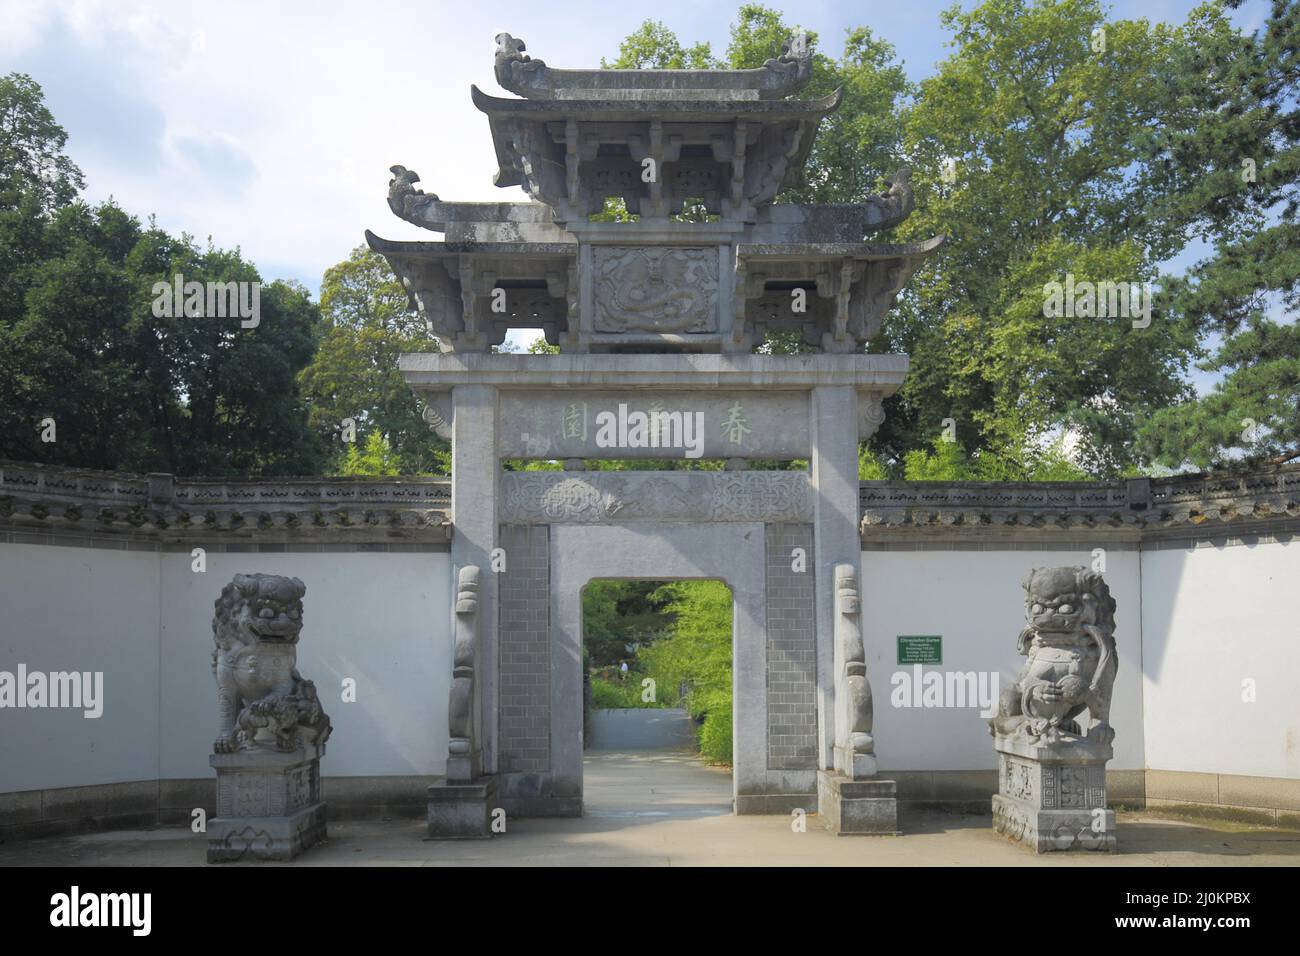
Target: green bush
pixel 697 653
pixel 618 694
pixel 715 732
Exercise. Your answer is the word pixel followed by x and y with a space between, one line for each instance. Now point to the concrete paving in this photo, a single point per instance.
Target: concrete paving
pixel 664 808
pixel 641 728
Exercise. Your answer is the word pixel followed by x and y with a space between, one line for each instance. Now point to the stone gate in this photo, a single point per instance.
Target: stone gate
pixel 654 255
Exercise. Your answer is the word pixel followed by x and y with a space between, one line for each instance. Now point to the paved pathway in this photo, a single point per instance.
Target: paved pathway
pixel 657 808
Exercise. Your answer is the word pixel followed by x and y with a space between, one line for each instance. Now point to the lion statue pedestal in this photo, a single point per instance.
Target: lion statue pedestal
pixel 1051 766
pixel 272 729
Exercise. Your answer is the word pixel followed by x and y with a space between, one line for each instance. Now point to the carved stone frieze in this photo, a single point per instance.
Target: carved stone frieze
pixel 610 497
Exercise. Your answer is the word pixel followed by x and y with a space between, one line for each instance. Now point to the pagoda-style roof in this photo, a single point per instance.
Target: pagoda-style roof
pixel 533 79
pixel 700 258
pixel 658 156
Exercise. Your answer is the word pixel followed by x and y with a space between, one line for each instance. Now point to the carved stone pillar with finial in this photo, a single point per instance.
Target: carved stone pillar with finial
pixel 850 797
pixel 464 756
pixel 461 805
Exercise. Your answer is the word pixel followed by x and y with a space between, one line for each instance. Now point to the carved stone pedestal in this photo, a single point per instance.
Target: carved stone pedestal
pixel 462 811
pixel 1052 796
pixel 849 807
pixel 854 765
pixel 269 805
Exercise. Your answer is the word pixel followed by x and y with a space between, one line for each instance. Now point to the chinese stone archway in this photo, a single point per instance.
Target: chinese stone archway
pixel 656 319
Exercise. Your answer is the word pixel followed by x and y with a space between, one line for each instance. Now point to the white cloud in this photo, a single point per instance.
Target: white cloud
pixel 272 126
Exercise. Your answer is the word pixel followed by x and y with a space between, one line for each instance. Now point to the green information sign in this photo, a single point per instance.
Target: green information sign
pixel 920 649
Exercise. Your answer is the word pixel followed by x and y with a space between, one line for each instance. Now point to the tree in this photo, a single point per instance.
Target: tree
pixel 654 47
pixel 354 373
pixel 128 385
pixel 697 653
pixel 372 459
pixel 32 161
pixel 1028 151
pixel 860 142
pixel 1238 170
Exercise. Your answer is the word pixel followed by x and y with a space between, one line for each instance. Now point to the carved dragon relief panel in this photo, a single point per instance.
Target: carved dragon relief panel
pixel 655 289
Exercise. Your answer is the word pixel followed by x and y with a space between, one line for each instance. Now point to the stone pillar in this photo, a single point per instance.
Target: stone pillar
pixel 834 474
pixel 475 473
pixel 461 805
pixel 851 799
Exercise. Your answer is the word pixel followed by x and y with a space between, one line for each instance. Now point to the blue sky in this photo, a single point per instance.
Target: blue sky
pixel 272 126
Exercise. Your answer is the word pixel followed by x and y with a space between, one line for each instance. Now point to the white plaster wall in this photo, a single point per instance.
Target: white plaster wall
pixel 383 619
pixel 144 619
pixel 974 600
pixel 80 609
pixel 1213 618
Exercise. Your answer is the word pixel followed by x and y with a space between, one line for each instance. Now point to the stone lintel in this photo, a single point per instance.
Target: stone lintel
pixel 439 372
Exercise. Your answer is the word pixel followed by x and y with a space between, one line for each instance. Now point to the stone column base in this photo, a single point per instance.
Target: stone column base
pixel 849 807
pixel 269 805
pixel 1052 796
pixel 462 811
pixel 854 765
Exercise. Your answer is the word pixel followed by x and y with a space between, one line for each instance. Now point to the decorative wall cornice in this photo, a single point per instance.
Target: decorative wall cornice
pixel 53 498
pixel 1182 505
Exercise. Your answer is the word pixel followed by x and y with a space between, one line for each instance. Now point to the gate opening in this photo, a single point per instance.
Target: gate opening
pixel 658 697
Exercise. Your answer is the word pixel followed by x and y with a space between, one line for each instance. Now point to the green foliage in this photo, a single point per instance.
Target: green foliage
pixel 1046 139
pixel 1236 173
pixel 859 142
pixel 80 343
pixel 947 461
pixel 32 162
pixel 716 731
pixel 654 47
pixel 619 693
pixel 677 634
pixel 354 372
pixel 617 617
pixel 697 654
pixel 1068 158
pixel 372 457
pixel 540 346
pixel 870 467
